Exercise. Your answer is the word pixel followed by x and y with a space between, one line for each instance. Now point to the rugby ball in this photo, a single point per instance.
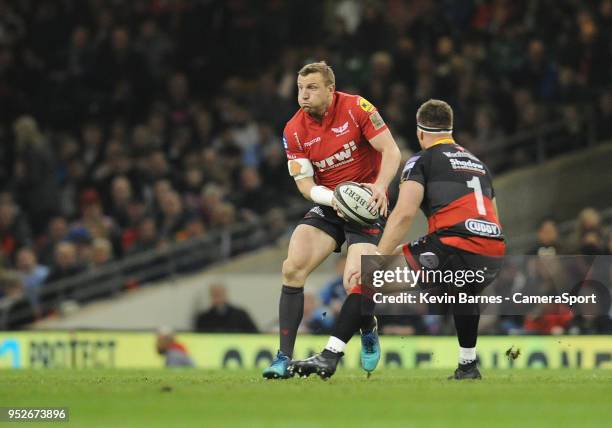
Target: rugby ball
pixel 352 200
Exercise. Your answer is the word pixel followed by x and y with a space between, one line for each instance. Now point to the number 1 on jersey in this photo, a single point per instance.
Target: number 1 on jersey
pixel 474 183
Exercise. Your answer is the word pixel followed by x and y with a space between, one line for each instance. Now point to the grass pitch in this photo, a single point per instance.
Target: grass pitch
pixel 390 398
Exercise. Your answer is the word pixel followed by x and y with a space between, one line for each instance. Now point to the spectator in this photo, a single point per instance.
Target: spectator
pixel 254 196
pixel 66 263
pixel 547 239
pixel 173 217
pixel 93 138
pixel 11 285
pixel 588 231
pixel 194 228
pixel 121 196
pixel 175 353
pixel 276 225
pixel 33 276
pixel 102 253
pixel 57 230
pixel 35 174
pixel 147 237
pixel 93 219
pixel 14 230
pixel 223 317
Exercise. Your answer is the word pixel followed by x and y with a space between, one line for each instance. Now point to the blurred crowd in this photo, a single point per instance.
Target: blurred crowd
pixel 127 126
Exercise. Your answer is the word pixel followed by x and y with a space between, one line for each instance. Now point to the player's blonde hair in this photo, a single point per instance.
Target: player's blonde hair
pixel 319 67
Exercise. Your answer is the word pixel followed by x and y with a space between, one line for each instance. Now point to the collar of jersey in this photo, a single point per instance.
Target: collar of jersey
pixel 442 141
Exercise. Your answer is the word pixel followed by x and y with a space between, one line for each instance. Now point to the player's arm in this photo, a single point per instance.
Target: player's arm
pixel 300 168
pixel 376 132
pixel 391 157
pixel 408 203
pixel 302 172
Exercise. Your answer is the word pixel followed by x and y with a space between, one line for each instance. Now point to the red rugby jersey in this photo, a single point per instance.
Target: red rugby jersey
pixel 338 146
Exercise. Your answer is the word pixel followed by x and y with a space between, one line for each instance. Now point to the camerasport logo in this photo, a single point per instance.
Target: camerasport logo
pixel 483 228
pixel 339 158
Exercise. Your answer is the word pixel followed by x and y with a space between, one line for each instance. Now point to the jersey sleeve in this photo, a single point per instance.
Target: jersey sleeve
pixel 415 169
pixel 291 144
pixel 369 118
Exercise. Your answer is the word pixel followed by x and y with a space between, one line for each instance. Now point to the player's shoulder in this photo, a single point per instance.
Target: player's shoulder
pixel 355 100
pixel 419 156
pixel 295 123
pixel 414 160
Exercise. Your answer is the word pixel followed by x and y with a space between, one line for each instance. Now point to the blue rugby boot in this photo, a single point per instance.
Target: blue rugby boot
pixel 370 348
pixel 279 368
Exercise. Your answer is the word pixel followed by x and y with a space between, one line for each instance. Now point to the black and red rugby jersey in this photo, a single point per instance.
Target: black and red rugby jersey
pixel 458 198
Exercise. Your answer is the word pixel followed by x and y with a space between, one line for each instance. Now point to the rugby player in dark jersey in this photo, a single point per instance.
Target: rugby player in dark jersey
pixel 455 191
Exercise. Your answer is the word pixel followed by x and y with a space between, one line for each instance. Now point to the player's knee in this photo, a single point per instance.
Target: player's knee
pixel 347 286
pixel 294 273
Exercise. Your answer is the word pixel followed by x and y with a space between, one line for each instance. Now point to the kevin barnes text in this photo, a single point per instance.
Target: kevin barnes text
pixel 519 298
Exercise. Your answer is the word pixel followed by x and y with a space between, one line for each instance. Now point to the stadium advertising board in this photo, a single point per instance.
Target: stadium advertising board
pixel 209 351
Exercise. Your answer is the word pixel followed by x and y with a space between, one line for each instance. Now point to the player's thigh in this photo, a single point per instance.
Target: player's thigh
pixel 308 247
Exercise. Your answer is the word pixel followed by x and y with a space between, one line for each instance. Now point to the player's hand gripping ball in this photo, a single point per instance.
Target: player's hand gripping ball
pixel 352 201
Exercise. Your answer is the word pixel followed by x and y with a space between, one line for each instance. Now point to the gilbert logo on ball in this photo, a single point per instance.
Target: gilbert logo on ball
pixel 352 200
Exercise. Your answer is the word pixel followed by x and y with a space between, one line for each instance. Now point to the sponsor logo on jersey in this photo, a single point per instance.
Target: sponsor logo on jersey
pixel 467 165
pixel 377 120
pixel 341 157
pixel 297 140
pixel 429 260
pixel 461 155
pixel 365 105
pixel 341 130
pixel 482 228
pixel 408 167
pixel 311 142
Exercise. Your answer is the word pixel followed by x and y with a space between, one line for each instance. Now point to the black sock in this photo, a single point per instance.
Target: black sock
pixel 290 312
pixel 467 330
pixel 367 323
pixel 355 307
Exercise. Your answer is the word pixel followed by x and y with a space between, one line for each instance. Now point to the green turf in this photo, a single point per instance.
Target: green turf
pixel 391 398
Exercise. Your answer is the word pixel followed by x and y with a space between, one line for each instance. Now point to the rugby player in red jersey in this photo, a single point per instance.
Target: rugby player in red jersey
pixel 333 137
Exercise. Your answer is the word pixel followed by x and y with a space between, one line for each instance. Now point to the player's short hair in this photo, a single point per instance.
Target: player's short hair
pixel 435 116
pixel 319 67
